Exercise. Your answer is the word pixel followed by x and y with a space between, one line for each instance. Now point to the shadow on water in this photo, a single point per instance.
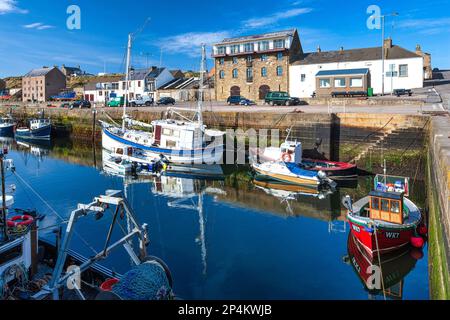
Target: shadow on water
pixel 227 237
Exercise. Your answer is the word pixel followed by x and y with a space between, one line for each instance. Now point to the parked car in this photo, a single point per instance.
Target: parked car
pixel 236 100
pixel 280 98
pixel 65 105
pixel 296 102
pixel 116 102
pixel 142 101
pixel 247 102
pixel 166 101
pixel 80 104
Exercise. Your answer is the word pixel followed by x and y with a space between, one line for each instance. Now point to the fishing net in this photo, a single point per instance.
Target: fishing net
pixel 147 281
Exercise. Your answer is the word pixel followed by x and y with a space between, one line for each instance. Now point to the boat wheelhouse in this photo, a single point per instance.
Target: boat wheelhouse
pixel 7 126
pixel 39 129
pixel 385 221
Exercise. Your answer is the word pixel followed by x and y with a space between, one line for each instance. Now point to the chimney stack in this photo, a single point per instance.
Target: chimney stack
pixel 388 43
pixel 318 49
pixel 418 49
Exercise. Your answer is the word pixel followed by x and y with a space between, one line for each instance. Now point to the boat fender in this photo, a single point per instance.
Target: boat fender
pixel 417 242
pixel 423 231
pixel 417 254
pixel 286 157
pixel 18 221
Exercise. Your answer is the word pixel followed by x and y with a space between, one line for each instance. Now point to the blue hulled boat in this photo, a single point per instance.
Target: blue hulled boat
pixel 7 126
pixel 40 129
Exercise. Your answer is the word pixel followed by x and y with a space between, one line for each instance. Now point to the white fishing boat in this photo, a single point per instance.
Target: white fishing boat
pixel 117 164
pixel 179 139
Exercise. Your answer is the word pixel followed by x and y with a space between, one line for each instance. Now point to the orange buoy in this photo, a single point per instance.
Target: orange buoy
pixel 108 284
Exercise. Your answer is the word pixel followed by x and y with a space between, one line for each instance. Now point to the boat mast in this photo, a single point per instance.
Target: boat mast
pixel 4 224
pixel 201 85
pixel 127 78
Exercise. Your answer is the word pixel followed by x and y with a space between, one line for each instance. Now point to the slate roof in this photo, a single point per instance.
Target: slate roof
pixel 342 72
pixel 270 35
pixel 183 83
pixel 141 74
pixel 363 54
pixel 38 72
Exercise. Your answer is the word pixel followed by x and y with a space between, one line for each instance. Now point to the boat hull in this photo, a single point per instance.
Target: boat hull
pixel 43 133
pixel 209 155
pixel 7 130
pixel 285 178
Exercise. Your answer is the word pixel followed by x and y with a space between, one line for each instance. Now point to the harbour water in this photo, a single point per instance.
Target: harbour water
pixel 222 239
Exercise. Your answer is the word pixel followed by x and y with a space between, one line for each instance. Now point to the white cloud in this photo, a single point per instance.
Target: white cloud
pixel 426 26
pixel 10 6
pixel 274 18
pixel 189 43
pixel 38 26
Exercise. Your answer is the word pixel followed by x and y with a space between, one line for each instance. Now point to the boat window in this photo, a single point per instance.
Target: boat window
pixel 171 144
pixel 376 203
pixel 167 132
pixel 385 205
pixel 395 206
pixel 11 254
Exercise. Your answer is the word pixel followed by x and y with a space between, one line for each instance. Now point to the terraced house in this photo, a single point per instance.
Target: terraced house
pixel 251 66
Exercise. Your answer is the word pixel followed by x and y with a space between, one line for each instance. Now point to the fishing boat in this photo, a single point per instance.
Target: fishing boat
pixel 395 267
pixel 386 220
pixel 179 139
pixel 116 163
pixel 7 126
pixel 292 152
pixel 38 268
pixel 39 129
pixel 291 173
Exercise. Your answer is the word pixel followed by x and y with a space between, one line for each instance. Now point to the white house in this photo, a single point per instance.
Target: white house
pixel 406 68
pixel 141 82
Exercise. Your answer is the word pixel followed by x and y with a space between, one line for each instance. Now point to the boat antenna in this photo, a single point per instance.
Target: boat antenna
pixel 201 85
pixel 127 78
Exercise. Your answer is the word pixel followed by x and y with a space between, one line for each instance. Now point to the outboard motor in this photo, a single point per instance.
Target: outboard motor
pixel 347 203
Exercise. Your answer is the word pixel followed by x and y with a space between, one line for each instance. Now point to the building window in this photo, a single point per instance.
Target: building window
pixel 222 74
pixel 100 93
pixel 249 47
pixel 221 61
pixel 279 71
pixel 123 85
pixel 324 83
pixel 264 57
pixel 235 73
pixel 403 70
pixel 303 77
pixel 235 49
pixel 221 50
pixel 279 44
pixel 249 58
pixel 264 72
pixel 356 82
pixel 139 84
pixel 263 45
pixel 249 74
pixel 339 83
pixel 280 56
pixel 235 60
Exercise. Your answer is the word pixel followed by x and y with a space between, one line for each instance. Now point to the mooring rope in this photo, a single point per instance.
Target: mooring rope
pixel 379 261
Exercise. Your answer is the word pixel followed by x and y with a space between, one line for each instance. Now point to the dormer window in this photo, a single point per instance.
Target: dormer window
pixel 279 44
pixel 249 47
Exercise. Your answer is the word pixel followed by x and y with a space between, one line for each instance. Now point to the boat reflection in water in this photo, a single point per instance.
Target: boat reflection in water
pixel 184 186
pixel 394 268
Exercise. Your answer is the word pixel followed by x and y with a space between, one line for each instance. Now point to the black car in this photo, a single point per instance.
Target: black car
pixel 236 100
pixel 80 104
pixel 166 101
pixel 295 102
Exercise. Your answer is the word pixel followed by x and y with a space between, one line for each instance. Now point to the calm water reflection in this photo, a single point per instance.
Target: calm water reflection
pixel 222 239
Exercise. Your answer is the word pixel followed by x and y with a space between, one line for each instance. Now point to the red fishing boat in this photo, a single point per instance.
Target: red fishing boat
pixel 386 220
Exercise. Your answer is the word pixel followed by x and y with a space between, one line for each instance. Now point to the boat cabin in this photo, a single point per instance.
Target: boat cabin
pixel 173 134
pixel 386 206
pixel 39 123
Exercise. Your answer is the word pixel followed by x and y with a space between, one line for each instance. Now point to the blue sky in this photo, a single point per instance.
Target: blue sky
pixel 34 33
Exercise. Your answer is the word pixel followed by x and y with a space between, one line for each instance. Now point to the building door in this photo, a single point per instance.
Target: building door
pixel 235 91
pixel 158 134
pixel 263 91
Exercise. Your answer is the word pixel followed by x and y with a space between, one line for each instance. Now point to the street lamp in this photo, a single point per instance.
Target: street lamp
pixel 394 14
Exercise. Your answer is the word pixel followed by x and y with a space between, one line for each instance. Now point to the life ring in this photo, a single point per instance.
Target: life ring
pixel 20 221
pixel 286 157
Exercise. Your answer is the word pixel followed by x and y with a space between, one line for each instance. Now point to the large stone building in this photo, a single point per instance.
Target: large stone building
pixel 251 66
pixel 2 84
pixel 39 85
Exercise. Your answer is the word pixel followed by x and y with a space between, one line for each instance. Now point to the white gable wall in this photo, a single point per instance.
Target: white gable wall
pixel 305 89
